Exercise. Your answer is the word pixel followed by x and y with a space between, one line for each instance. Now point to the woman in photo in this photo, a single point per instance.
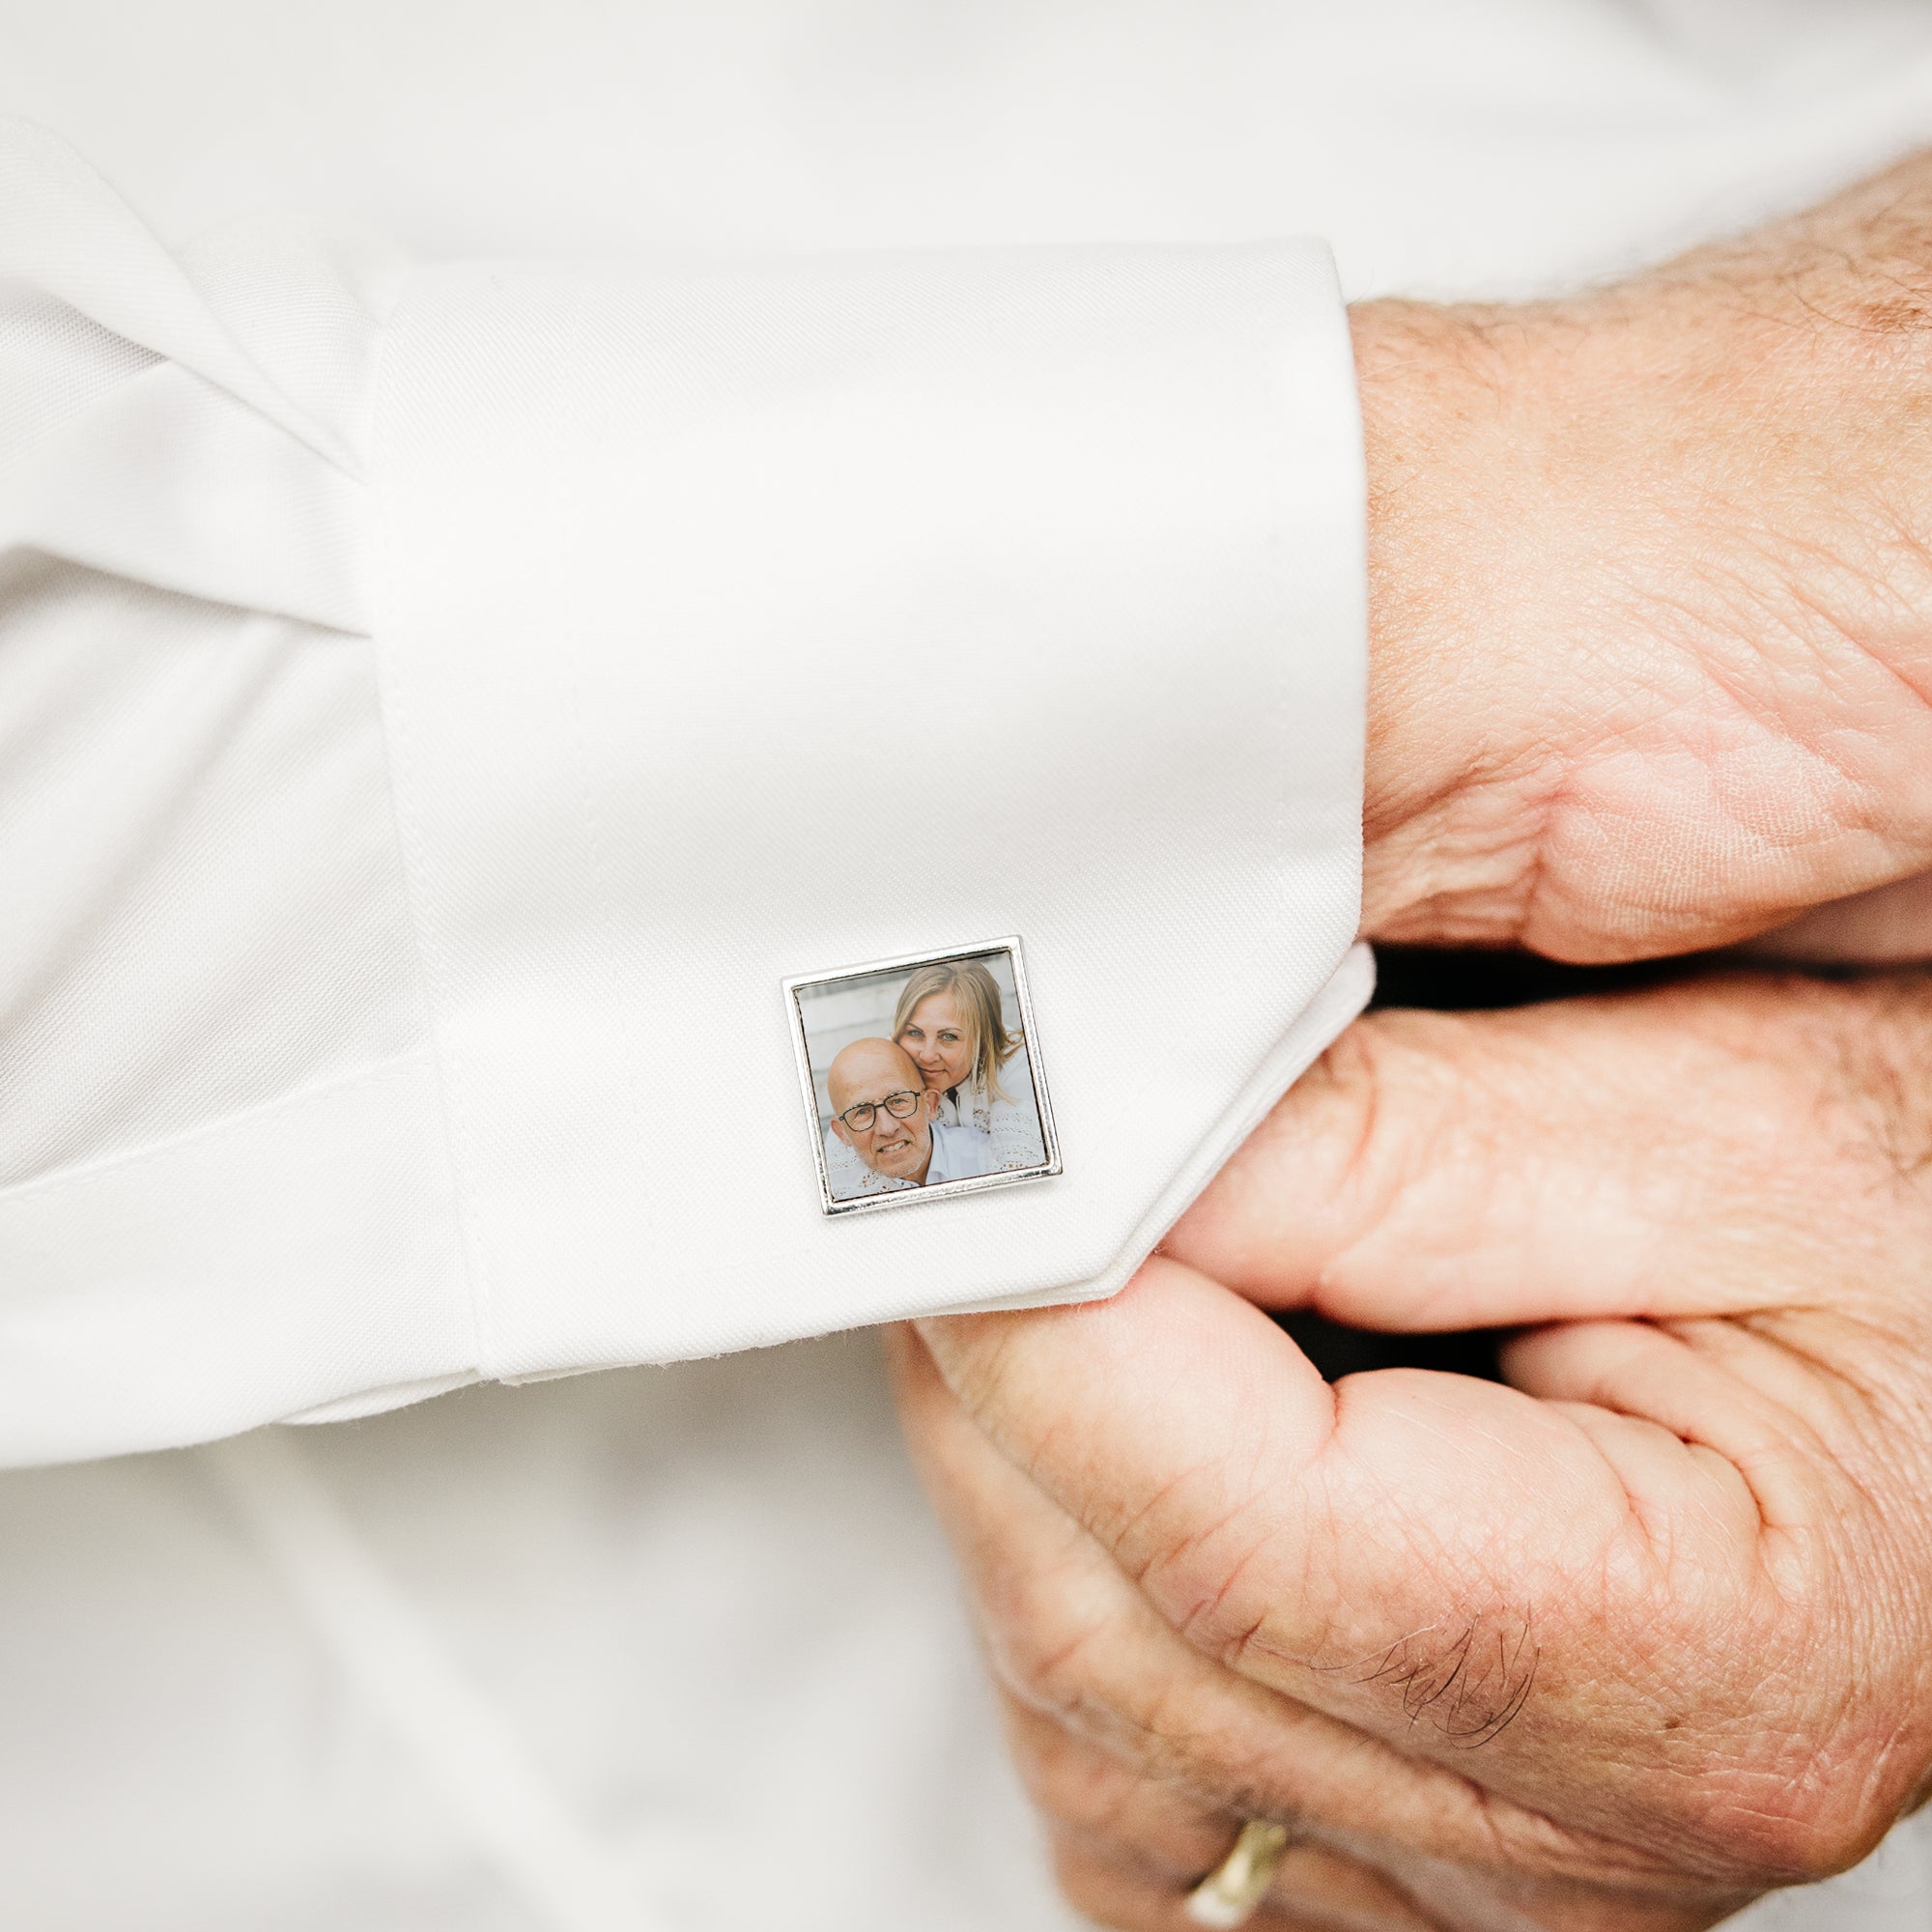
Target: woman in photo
pixel 950 1019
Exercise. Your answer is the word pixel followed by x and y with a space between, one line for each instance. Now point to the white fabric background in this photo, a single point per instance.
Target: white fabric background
pixel 604 1556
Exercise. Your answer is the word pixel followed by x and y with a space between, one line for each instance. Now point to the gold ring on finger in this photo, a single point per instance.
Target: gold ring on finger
pixel 1228 1894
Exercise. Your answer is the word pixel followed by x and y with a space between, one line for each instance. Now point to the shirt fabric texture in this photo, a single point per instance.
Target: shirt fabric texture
pixel 409 596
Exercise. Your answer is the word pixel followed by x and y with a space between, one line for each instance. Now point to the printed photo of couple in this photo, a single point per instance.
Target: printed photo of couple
pixel 920 1076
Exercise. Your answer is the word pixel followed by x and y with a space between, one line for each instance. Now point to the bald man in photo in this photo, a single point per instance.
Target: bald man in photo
pixel 883 1111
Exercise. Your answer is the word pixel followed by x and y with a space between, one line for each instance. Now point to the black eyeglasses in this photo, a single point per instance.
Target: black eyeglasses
pixel 901 1106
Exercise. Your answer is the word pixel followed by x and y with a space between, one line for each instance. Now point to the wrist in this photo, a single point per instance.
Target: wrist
pixel 1457 778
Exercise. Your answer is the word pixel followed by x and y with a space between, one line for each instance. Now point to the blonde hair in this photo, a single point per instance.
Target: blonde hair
pixel 978 994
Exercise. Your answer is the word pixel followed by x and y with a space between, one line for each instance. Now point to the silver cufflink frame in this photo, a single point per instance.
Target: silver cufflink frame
pixel 808 989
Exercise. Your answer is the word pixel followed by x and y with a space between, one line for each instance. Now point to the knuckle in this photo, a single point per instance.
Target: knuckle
pixel 1401 1098
pixel 1340 1103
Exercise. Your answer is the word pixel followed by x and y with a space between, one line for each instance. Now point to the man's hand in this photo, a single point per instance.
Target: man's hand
pixel 1616 1647
pixel 1651 593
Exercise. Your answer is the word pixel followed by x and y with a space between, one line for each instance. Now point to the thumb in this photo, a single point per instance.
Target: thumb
pixel 1703 1150
pixel 1561 1598
pixel 1473 1575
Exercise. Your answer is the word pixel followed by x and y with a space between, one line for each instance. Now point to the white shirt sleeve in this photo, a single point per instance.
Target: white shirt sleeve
pixel 439 707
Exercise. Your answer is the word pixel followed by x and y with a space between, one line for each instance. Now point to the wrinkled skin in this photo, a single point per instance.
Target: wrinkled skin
pixel 1618 1646
pixel 1651 594
pixel 1650 1630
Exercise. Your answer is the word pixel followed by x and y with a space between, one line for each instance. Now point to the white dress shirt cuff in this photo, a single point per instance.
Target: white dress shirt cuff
pixel 446 705
pixel 744 621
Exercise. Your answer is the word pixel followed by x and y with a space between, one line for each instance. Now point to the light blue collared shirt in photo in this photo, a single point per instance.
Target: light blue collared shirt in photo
pixel 958 1153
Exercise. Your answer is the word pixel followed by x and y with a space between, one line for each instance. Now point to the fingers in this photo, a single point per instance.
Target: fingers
pixel 1773 1441
pixel 1145 1758
pixel 1101 1891
pixel 1102 1803
pixel 1448 1566
pixel 1431 1171
pixel 1129 1849
pixel 1458 1171
pixel 1564 1600
pixel 1314 1890
pixel 1075 1642
pixel 1142 1758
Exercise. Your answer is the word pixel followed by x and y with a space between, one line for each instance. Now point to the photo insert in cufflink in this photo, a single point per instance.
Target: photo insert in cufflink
pixel 922 1077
